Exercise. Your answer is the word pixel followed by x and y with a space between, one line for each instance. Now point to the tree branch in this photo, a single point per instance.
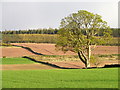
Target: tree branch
pixel 83 55
pixel 81 58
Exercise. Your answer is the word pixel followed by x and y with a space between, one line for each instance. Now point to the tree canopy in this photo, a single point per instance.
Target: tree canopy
pixel 79 31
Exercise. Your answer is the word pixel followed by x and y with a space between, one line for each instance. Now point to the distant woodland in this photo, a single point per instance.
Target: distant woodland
pixel 42 36
pixel 115 31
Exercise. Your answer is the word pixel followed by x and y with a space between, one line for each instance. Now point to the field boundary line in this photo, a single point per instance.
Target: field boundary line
pixel 49 64
pixel 29 49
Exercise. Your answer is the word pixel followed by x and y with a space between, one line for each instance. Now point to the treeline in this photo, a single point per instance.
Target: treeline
pixel 31 31
pixel 42 38
pixel 29 38
pixel 116 32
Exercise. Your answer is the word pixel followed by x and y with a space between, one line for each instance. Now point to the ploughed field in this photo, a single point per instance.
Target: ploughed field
pixel 65 60
pixel 14 52
pixel 50 49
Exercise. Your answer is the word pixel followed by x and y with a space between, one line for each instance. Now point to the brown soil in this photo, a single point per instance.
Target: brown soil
pixel 14 52
pixel 79 64
pixel 46 49
pixel 64 64
pixel 49 49
pixel 105 50
pixel 25 67
pixel 69 64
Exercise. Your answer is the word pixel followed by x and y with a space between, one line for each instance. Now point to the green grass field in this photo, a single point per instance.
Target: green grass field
pixel 16 61
pixel 61 78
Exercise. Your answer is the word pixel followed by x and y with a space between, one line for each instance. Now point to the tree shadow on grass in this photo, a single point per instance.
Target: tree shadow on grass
pixel 111 66
pixel 106 66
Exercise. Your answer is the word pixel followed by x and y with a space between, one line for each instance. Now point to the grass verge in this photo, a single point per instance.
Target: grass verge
pixel 72 57
pixel 61 78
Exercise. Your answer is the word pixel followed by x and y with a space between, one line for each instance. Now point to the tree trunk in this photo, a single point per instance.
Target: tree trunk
pixel 89 55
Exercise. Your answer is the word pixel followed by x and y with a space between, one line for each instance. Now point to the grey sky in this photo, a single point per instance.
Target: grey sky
pixel 29 15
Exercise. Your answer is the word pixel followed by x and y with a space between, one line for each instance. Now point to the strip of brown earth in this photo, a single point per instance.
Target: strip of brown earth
pixel 63 64
pixel 15 52
pixel 50 49
pixel 25 67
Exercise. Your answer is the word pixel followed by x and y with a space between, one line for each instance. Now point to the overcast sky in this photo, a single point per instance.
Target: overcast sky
pixel 32 15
